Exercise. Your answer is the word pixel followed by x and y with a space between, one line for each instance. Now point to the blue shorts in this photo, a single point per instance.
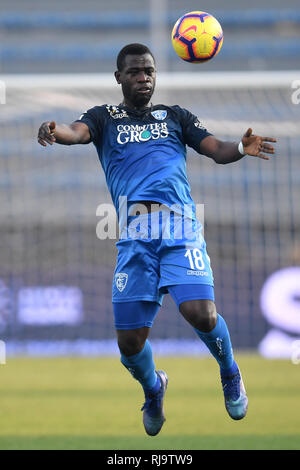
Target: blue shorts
pixel 156 254
pixel 132 315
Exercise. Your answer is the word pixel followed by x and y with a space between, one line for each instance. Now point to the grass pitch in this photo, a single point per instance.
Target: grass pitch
pixel 79 403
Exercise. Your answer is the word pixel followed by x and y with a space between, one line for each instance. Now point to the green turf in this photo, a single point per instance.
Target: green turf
pixel 94 403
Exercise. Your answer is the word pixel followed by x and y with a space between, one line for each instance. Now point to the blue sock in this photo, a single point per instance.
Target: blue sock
pixel 219 344
pixel 142 368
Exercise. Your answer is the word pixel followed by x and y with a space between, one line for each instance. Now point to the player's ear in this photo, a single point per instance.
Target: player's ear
pixel 117 76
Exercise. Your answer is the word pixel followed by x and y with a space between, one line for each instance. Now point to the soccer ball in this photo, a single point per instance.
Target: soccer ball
pixel 197 37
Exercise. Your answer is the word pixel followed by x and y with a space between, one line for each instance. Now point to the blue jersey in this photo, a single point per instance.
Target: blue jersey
pixel 143 153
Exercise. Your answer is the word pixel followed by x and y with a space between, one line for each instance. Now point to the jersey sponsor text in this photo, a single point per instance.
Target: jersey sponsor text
pixel 135 133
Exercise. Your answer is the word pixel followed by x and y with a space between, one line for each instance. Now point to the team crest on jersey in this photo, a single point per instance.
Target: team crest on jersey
pixel 115 112
pixel 121 281
pixel 159 114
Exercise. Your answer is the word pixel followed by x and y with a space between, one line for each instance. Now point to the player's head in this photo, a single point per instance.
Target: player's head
pixel 136 73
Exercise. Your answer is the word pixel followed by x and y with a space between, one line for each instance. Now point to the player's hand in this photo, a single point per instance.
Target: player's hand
pixel 46 133
pixel 256 146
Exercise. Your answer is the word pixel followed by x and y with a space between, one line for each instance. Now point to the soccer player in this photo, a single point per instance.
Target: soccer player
pixel 142 150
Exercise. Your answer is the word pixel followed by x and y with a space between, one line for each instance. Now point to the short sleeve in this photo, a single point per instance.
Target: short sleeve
pixel 92 118
pixel 193 129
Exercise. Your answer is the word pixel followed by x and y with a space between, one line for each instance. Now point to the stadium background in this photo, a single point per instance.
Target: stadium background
pixel 55 274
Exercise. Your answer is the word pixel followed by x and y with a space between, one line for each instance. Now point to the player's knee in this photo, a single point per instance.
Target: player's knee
pixel 131 342
pixel 201 314
pixel 209 317
pixel 130 346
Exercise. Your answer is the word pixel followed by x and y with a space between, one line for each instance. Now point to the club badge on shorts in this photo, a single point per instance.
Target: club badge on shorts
pixel 121 281
pixel 159 114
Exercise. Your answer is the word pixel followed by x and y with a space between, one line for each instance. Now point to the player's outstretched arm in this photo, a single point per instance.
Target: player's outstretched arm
pixel 75 133
pixel 228 152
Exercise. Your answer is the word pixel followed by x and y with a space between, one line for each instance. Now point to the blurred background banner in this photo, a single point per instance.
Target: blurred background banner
pixel 55 274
